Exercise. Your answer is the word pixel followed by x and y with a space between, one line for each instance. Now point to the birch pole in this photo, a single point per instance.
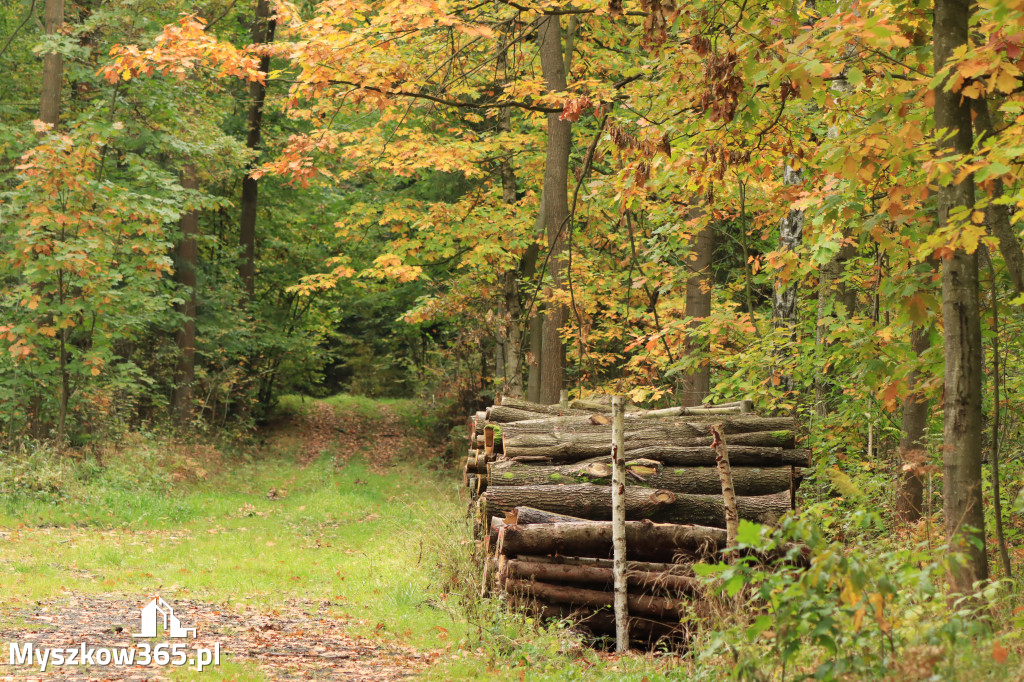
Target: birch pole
pixel 732 517
pixel 619 523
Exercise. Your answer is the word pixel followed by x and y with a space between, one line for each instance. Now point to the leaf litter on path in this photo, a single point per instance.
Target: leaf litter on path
pixel 297 641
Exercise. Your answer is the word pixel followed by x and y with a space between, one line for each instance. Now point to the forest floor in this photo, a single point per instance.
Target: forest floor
pixel 301 553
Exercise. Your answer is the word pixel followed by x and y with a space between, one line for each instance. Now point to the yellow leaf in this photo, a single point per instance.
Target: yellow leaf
pixel 858 618
pixel 1006 81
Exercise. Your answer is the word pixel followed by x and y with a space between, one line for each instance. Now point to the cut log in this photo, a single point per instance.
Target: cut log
pixel 642 630
pixel 501 414
pixel 639 604
pixel 495 527
pixel 523 515
pixel 594 502
pixel 647 581
pixel 684 569
pixel 538 408
pixel 645 541
pixel 562 446
pixel 643 472
pixel 665 427
pixel 489 439
pixel 739 455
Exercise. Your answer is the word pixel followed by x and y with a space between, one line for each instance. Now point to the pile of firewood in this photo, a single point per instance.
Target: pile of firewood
pixel 540 478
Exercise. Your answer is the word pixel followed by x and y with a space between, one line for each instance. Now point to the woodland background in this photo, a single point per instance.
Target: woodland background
pixel 816 205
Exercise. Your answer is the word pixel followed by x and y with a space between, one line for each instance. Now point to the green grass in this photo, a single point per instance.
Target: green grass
pixel 349 533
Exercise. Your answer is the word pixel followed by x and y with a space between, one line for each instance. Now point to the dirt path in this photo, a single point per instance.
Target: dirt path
pixel 290 643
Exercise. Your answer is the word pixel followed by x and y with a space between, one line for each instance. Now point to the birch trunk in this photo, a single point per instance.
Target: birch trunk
pixel 619 524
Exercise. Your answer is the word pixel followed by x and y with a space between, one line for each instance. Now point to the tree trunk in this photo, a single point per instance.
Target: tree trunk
pixel 997 215
pixel 644 540
pixel 594 502
pixel 262 32
pixel 911 448
pixel 785 314
pixel 53 65
pixel 536 354
pixel 961 460
pixel 645 473
pixel 834 299
pixel 556 207
pixel 696 385
pixel 185 262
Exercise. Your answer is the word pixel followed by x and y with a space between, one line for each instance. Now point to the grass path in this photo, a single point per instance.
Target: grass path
pixel 306 555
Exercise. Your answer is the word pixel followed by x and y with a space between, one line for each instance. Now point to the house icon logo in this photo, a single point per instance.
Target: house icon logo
pixel 156 610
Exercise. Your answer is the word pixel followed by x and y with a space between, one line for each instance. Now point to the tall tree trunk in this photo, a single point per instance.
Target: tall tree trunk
pixel 961 458
pixel 696 384
pixel 185 260
pixel 262 32
pixel 512 357
pixel 785 314
pixel 834 298
pixel 911 449
pixel 53 65
pixel 556 207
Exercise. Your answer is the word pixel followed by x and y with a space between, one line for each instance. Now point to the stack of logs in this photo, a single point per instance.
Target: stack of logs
pixel 540 476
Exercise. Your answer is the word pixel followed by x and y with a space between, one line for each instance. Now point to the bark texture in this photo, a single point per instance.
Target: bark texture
pixel 644 473
pixel 594 502
pixel 961 459
pixel 262 32
pixel 618 474
pixel 53 65
pixel 695 385
pixel 911 448
pixel 556 207
pixel 640 604
pixel 596 575
pixel 645 540
pixel 185 261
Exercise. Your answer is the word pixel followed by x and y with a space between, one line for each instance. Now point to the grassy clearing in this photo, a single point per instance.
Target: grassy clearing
pixel 343 502
pixel 243 525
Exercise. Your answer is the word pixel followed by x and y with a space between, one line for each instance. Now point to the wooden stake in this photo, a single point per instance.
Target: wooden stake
pixel 732 516
pixel 619 524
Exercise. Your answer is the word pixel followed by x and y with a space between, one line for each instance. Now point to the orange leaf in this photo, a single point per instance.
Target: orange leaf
pixel 999 653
